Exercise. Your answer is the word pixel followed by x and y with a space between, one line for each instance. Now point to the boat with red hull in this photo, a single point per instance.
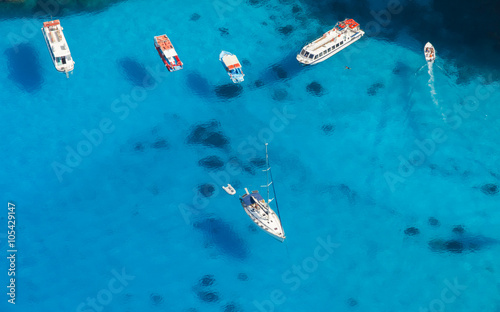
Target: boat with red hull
pixel 167 53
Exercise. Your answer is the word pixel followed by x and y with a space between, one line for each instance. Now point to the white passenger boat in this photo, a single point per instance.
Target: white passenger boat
pixel 430 52
pixel 58 47
pixel 339 37
pixel 259 210
pixel 167 53
pixel 232 66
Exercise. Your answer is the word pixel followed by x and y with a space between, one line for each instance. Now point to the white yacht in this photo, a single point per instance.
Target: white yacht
pixel 342 35
pixel 430 52
pixel 259 210
pixel 58 47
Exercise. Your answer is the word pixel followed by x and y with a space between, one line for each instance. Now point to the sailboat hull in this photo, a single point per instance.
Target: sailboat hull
pixel 262 215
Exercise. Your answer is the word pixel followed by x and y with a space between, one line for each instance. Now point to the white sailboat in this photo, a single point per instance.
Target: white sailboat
pixel 259 210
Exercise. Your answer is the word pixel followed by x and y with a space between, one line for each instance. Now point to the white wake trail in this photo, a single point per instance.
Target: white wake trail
pixel 433 89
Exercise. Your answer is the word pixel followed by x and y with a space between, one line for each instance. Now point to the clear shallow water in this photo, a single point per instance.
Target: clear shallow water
pixel 133 203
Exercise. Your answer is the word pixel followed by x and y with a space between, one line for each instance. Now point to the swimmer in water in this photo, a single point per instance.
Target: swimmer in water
pixel 347 67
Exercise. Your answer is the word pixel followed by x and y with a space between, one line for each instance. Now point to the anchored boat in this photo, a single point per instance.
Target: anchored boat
pixel 58 47
pixel 167 53
pixel 259 210
pixel 430 52
pixel 232 66
pixel 339 37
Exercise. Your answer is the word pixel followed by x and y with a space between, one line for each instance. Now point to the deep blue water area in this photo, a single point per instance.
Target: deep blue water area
pixel 387 174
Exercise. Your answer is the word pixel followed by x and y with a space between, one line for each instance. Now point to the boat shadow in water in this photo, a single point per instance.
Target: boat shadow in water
pixel 221 235
pixel 24 67
pixel 462 244
pixel 135 72
pixel 284 69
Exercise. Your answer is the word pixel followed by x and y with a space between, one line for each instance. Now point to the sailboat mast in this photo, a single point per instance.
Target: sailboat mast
pixel 267 174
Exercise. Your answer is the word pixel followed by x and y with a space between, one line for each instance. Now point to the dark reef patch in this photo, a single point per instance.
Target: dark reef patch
pixel 280 94
pixel 231 307
pixel 433 222
pixel 296 9
pixel 198 84
pixel 228 91
pixel 458 229
pixel 221 235
pixel 352 302
pixel 489 189
pixel 373 89
pixel 224 32
pixel 139 147
pixel 315 88
pixel 257 3
pixel 462 243
pixel 194 17
pixel 207 190
pixel 211 162
pixel 279 71
pixel 259 83
pixel 208 296
pixel 246 62
pixel 160 143
pixel 411 231
pixel 242 277
pixel 258 162
pixel 24 67
pixel 135 72
pixel 156 299
pixel 285 30
pixel 328 128
pixel 208 134
pixel 207 280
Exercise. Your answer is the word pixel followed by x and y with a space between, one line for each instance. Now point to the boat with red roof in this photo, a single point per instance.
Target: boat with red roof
pixel 58 47
pixel 167 53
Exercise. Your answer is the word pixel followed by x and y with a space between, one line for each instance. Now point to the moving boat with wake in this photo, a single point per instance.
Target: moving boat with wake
pixel 343 34
pixel 259 210
pixel 430 52
pixel 58 47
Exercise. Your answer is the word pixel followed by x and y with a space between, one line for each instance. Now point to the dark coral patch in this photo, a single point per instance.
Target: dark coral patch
pixel 208 296
pixel 198 84
pixel 280 71
pixel 280 94
pixel 352 302
pixel 206 189
pixel 231 307
pixel 412 231
pixel 224 32
pixel 135 72
pixel 24 68
pixel 211 162
pixel 228 91
pixel 489 189
pixel 207 280
pixel 160 143
pixel 296 9
pixel 242 277
pixel 373 89
pixel 194 17
pixel 285 30
pixel 328 128
pixel 258 162
pixel 208 134
pixel 458 229
pixel 138 147
pixel 259 83
pixel 315 88
pixel 156 299
pixel 434 222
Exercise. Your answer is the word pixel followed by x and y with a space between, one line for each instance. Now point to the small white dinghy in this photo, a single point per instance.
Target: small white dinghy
pixel 430 52
pixel 229 189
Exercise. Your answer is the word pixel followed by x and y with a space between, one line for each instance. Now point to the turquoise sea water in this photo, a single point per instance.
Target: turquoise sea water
pixel 387 179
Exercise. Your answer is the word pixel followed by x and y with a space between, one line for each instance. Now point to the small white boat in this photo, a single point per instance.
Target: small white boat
pixel 167 53
pixel 232 66
pixel 229 189
pixel 338 38
pixel 58 47
pixel 259 210
pixel 430 52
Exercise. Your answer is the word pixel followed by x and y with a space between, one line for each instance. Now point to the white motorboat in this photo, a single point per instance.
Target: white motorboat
pixel 232 66
pixel 229 189
pixel 338 38
pixel 58 47
pixel 430 52
pixel 259 210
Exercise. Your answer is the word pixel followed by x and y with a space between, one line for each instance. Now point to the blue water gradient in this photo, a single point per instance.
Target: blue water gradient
pixel 387 181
